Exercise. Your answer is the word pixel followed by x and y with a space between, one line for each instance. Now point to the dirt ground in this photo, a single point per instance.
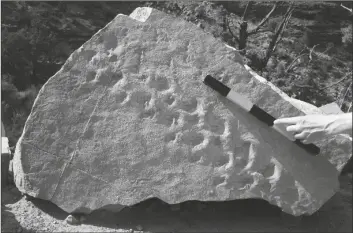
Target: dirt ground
pixel 22 214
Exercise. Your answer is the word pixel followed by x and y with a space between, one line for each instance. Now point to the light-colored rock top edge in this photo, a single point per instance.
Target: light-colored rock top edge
pixel 141 13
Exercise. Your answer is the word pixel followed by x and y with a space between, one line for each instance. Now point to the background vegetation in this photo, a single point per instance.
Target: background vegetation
pixel 312 59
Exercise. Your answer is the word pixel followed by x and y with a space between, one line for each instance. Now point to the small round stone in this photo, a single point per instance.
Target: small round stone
pixel 72 220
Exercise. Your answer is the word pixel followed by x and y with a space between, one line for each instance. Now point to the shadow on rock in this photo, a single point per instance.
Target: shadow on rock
pixel 154 215
pixel 9 196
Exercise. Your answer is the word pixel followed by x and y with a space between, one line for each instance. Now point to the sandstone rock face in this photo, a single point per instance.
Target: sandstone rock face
pixel 303 106
pixel 128 118
pixel 331 108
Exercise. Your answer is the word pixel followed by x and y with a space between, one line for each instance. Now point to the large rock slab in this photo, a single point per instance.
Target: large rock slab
pixel 128 118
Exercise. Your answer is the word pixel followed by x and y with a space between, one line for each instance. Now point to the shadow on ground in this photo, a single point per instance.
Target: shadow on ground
pixel 9 223
pixel 235 216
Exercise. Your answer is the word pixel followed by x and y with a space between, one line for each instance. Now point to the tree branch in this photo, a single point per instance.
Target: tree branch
pixel 278 35
pixel 264 20
pixel 346 76
pixel 345 94
pixel 302 86
pixel 295 59
pixel 263 30
pixel 327 49
pixel 284 27
pixel 349 9
pixel 291 66
pixel 246 8
pixel 311 51
pixel 349 107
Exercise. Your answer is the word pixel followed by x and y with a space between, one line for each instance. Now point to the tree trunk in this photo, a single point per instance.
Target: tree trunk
pixel 264 20
pixel 245 11
pixel 277 36
pixel 243 35
pixel 243 32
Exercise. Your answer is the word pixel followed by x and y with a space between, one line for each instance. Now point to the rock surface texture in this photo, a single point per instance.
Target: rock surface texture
pixel 128 118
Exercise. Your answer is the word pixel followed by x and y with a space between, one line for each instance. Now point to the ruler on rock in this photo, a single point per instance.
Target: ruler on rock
pixel 257 112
